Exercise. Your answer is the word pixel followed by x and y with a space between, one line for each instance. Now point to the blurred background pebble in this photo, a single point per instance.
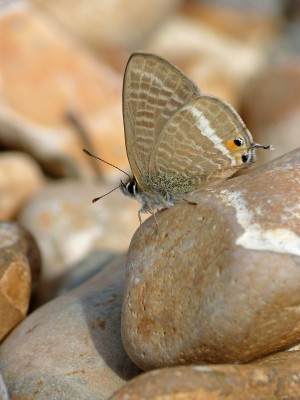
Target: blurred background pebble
pixel 61 71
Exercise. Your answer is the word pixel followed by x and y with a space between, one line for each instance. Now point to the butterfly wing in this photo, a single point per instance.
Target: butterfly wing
pixel 204 141
pixel 153 91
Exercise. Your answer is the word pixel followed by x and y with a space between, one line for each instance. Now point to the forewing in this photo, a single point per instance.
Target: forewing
pixel 153 91
pixel 197 146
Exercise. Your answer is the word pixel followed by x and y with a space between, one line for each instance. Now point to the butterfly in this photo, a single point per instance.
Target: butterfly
pixel 178 140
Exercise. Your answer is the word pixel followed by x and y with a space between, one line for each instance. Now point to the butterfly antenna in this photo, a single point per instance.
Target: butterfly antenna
pixel 260 146
pixel 76 122
pixel 106 162
pixel 98 198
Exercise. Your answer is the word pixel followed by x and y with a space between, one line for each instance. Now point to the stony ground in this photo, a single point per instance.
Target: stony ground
pixel 200 301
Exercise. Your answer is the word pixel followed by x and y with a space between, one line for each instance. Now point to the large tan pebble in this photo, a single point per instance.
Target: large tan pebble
pixel 19 268
pixel 20 178
pixel 107 24
pixel 3 389
pixel 79 273
pixel 271 107
pixel 242 21
pixel 68 226
pixel 45 76
pixel 218 282
pixel 274 378
pixel 71 348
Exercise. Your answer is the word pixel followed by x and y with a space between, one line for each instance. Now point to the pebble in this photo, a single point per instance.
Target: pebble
pixel 271 107
pixel 68 227
pixel 102 24
pixel 245 22
pixel 273 377
pixel 218 282
pixel 20 178
pixel 20 265
pixel 3 389
pixel 71 347
pixel 37 98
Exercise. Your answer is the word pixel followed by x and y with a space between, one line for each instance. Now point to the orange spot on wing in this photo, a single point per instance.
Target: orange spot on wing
pixel 231 146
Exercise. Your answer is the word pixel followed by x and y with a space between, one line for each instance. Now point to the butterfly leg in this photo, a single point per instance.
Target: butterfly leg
pixel 139 215
pixel 190 202
pixel 153 213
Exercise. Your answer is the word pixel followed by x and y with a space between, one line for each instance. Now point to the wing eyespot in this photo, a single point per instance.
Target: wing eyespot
pixel 238 142
pixel 244 158
pixel 233 144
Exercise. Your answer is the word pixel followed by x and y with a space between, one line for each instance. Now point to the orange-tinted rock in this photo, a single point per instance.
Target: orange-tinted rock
pixel 3 390
pixel 71 347
pixel 245 22
pixel 218 282
pixel 106 24
pixel 276 377
pixel 272 107
pixel 68 226
pixel 20 178
pixel 19 268
pixel 45 76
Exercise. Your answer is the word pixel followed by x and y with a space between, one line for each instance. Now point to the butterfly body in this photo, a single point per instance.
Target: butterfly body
pixel 151 200
pixel 178 140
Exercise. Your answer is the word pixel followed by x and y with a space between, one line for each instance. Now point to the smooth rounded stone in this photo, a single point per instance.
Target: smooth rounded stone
pixel 247 23
pixel 80 272
pixel 288 43
pixel 263 8
pixel 218 281
pixel 37 98
pixel 71 347
pixel 20 178
pixel 3 389
pixel 68 226
pixel 271 108
pixel 103 24
pixel 276 377
pixel 19 270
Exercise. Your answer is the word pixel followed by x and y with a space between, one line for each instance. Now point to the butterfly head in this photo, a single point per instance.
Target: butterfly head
pixel 129 188
pixel 242 148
